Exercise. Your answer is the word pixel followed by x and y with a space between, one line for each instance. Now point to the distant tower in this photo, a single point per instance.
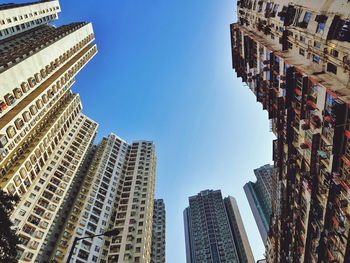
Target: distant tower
pixel 214 230
pixel 260 196
pixel 158 233
pixel 240 237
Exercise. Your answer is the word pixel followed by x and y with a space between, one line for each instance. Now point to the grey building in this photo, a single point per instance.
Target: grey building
pixel 260 196
pixel 210 230
pixel 158 232
pixel 239 235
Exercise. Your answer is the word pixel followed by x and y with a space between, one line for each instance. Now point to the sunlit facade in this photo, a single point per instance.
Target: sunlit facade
pixel 117 192
pixel 43 134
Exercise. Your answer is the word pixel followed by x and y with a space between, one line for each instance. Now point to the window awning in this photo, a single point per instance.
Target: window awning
pixel 298 91
pixel 327 118
pixel 347 134
pixel 345 160
pixel 311 104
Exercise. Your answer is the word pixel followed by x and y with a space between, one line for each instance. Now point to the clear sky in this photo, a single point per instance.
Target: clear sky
pixel 164 73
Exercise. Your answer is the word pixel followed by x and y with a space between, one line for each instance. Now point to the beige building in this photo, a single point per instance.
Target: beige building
pixel 294 56
pixel 134 210
pixel 43 134
pixel 117 192
pixel 67 187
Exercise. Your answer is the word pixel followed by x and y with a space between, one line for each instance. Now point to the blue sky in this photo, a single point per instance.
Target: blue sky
pixel 164 73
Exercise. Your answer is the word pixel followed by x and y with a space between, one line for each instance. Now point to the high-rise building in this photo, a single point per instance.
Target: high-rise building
pixel 294 56
pixel 214 231
pixel 93 206
pixel 240 237
pixel 134 213
pixel 259 195
pixel 158 235
pixel 44 136
pixel 117 192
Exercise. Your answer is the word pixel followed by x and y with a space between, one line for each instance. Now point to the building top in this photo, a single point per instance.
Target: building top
pixel 313 36
pixel 204 193
pixel 12 15
pixel 14 5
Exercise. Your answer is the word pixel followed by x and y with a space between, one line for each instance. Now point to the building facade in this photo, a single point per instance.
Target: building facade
pixel 211 228
pixel 240 237
pixel 117 193
pixel 44 137
pixel 294 56
pixel 158 235
pixel 260 196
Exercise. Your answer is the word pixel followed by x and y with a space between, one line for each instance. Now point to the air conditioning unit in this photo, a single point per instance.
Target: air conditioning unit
pixel 3 140
pixel 28 256
pixel 43 224
pixel 18 93
pixel 33 244
pixel 24 86
pixel 48 215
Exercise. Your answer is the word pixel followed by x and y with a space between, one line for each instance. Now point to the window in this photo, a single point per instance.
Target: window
pixel 260 6
pixel 307 17
pixel 29 255
pixel 321 20
pixel 320 28
pixel 315 59
pixel 301 52
pixel 22 212
pixel 334 53
pixel 331 68
pixel 317 44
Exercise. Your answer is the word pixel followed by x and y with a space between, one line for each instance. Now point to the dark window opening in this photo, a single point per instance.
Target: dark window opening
pixel 331 68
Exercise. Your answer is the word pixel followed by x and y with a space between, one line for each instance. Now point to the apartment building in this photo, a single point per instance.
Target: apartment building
pixel 240 237
pixel 134 213
pixel 117 193
pixel 56 229
pixel 294 56
pixel 260 196
pixel 214 231
pixel 158 234
pixel 43 134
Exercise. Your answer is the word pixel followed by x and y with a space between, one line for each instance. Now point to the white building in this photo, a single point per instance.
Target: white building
pixel 43 134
